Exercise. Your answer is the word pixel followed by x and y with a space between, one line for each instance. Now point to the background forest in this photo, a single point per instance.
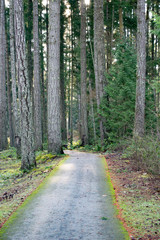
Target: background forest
pixel 69 71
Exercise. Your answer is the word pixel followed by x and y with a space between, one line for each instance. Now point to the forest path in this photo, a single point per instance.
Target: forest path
pixel 76 203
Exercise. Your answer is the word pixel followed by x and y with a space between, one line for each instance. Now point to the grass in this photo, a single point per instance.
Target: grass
pixel 143 215
pixel 16 185
pixel 137 197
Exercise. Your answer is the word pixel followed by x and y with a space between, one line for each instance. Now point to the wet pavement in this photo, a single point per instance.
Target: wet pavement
pixel 76 203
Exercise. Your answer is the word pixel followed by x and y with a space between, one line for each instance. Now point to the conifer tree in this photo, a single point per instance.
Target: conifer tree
pixel 84 121
pixel 37 90
pixel 54 109
pixel 99 57
pixel 3 133
pixel 27 139
pixel 139 127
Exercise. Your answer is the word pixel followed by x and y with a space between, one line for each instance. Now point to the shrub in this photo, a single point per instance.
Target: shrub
pixel 145 152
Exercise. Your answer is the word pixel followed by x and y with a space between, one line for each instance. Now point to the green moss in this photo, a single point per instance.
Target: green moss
pixel 8 154
pixel 45 157
pixel 112 193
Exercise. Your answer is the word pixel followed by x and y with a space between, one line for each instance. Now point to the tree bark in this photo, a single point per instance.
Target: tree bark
pixel 9 97
pixel 62 85
pixel 37 90
pixel 84 120
pixel 29 45
pixel 27 139
pixel 141 70
pixel 92 110
pixel 13 73
pixel 54 108
pixel 3 134
pixel 99 57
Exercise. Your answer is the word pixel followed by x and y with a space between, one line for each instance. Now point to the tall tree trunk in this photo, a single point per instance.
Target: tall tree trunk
pixel 84 120
pixel 92 110
pixel 43 83
pixel 141 69
pixel 62 78
pixel 13 73
pixel 27 139
pixel 3 134
pixel 54 108
pixel 29 45
pixel 99 56
pixel 11 128
pixel 37 90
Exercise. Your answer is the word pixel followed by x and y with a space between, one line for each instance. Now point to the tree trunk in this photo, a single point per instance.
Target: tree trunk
pixel 37 90
pixel 141 69
pixel 13 73
pixel 11 128
pixel 92 110
pixel 29 45
pixel 27 139
pixel 121 28
pixel 99 57
pixel 3 134
pixel 84 120
pixel 43 83
pixel 62 85
pixel 54 108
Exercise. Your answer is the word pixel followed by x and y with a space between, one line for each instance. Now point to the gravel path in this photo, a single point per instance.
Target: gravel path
pixel 75 203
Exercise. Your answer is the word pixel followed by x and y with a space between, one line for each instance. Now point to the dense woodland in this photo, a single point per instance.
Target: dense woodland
pixel 80 68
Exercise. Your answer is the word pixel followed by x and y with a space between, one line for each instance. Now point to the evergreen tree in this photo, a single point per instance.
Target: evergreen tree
pixel 37 90
pixel 27 139
pixel 54 108
pixel 3 133
pixel 118 105
pixel 141 69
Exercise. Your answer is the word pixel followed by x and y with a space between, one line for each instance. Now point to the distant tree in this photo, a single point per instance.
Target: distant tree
pixel 139 127
pixel 3 134
pixel 27 139
pixel 84 120
pixel 54 108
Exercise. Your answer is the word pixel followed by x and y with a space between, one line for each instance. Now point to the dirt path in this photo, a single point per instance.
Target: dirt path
pixel 76 203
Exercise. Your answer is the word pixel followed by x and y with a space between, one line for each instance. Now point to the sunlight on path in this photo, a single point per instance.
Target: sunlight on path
pixel 76 203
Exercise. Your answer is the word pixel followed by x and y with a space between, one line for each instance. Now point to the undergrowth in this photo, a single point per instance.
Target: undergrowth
pixel 145 152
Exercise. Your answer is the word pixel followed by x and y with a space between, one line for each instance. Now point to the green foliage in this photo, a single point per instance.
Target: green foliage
pixel 145 152
pixel 118 105
pixel 156 30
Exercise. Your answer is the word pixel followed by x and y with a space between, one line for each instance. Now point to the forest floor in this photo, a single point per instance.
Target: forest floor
pixel 16 185
pixel 137 197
